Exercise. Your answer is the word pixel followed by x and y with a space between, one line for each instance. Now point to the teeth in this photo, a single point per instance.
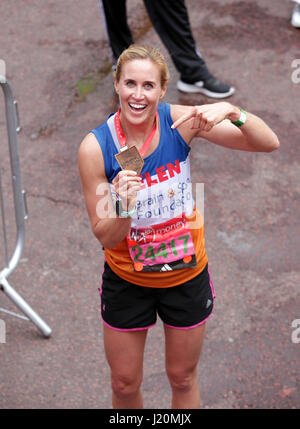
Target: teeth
pixel 137 106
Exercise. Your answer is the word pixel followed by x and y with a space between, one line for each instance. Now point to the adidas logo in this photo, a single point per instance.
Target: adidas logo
pixel 209 302
pixel 166 267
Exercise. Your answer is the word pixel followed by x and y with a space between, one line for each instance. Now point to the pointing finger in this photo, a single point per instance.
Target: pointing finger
pixel 183 119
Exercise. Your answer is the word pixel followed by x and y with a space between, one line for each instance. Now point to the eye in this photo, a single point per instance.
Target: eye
pixel 148 85
pixel 130 83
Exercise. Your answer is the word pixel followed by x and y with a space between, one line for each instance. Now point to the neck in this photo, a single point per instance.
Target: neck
pixel 136 134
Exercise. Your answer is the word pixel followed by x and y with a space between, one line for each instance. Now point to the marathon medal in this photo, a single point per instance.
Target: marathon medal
pixel 130 159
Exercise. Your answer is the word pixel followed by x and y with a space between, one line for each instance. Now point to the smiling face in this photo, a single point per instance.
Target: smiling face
pixel 139 89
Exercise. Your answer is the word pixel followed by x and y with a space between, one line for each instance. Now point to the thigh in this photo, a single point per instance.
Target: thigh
pixel 124 351
pixel 183 348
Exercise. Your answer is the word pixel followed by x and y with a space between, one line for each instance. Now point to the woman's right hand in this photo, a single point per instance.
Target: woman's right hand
pixel 126 184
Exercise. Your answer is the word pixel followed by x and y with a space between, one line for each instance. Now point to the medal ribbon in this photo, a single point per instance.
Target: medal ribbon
pixel 122 138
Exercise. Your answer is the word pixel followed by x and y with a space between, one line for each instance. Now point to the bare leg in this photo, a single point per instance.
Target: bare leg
pixel 124 353
pixel 183 348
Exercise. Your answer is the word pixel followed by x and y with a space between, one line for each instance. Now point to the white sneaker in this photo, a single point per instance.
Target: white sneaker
pixel 211 87
pixel 295 21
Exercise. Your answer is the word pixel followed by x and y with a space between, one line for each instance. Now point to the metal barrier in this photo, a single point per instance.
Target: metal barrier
pixel 21 214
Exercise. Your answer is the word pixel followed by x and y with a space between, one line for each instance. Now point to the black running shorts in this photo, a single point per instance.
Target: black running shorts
pixel 128 307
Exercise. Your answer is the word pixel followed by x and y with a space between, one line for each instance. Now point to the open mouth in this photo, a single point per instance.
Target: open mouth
pixel 137 107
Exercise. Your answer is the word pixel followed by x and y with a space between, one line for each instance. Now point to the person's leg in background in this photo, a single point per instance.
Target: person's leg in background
pixel 118 33
pixel 171 21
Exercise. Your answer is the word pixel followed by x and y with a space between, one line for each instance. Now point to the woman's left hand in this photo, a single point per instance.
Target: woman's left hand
pixel 205 117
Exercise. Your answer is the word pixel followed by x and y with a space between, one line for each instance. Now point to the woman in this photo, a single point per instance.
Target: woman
pixel 152 234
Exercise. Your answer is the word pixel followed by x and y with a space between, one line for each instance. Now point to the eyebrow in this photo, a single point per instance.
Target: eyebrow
pixel 146 81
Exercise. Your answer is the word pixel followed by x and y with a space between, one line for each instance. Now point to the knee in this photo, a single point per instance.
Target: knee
pixel 125 385
pixel 182 380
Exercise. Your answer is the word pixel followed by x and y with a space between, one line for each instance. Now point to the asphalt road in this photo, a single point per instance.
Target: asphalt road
pixel 57 61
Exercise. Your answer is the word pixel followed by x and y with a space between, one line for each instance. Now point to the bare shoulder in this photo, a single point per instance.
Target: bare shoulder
pixel 90 158
pixel 89 146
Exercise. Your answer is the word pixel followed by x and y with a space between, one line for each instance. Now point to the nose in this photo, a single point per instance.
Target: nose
pixel 138 92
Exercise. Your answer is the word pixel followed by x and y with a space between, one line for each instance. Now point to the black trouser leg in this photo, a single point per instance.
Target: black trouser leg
pixel 171 21
pixel 118 32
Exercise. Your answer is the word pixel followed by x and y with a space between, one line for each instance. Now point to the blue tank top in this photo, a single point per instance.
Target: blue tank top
pixel 171 146
pixel 165 174
pixel 160 237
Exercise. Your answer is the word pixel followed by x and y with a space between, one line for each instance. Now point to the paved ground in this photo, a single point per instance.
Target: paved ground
pixel 57 63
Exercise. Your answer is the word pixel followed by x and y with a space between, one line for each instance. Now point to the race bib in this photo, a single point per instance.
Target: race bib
pixel 163 247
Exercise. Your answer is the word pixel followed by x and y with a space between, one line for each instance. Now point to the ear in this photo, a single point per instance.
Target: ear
pixel 116 85
pixel 163 91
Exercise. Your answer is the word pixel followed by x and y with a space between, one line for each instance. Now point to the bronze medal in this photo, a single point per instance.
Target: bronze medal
pixel 130 159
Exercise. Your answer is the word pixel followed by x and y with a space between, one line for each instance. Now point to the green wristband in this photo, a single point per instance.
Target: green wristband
pixel 241 120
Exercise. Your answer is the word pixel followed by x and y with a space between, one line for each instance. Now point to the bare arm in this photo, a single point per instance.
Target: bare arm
pixel 213 122
pixel 106 225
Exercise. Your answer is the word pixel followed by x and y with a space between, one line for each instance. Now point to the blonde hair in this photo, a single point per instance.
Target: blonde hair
pixel 143 52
